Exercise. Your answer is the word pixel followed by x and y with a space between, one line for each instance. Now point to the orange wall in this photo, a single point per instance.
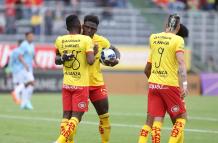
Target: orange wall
pixel 135 83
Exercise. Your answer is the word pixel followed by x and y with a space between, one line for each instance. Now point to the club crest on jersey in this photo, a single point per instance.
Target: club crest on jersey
pixel 82 105
pixel 104 91
pixel 175 108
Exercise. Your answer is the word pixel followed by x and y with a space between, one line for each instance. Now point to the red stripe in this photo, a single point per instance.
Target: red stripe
pixel 180 51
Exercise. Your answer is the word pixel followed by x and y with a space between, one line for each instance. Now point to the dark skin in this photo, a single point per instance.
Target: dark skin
pixel 67 57
pixel 89 29
pixel 101 106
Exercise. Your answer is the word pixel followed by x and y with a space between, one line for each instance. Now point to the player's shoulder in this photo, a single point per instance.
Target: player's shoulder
pixel 84 38
pixel 101 39
pixel 178 38
pixel 60 37
pixel 24 43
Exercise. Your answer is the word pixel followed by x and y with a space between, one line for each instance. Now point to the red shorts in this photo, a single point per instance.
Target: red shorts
pixel 97 93
pixel 75 98
pixel 162 99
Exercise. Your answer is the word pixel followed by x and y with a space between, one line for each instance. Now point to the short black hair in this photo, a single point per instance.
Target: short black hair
pixel 183 31
pixel 28 33
pixel 92 18
pixel 72 22
pixel 173 21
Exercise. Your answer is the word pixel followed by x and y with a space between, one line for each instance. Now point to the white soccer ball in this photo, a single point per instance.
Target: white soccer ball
pixel 107 55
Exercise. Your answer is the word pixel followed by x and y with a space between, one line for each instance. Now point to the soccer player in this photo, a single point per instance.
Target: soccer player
pixel 26 57
pixel 75 52
pixel 97 90
pixel 15 67
pixel 146 129
pixel 164 90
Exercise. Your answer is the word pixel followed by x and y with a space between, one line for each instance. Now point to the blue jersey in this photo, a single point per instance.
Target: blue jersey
pixel 14 63
pixel 27 50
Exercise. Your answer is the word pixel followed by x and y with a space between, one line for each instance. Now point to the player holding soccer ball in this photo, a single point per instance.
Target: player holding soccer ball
pixel 97 90
pixel 167 87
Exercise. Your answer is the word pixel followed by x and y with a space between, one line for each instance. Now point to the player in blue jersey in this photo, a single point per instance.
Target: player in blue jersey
pixel 15 66
pixel 26 57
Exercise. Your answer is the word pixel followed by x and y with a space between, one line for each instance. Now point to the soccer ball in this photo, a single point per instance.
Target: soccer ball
pixel 107 55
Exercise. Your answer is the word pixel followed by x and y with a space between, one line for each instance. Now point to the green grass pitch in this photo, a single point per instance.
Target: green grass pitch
pixel 128 114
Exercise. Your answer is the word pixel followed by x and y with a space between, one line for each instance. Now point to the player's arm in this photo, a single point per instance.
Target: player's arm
pixel 147 69
pixel 58 58
pixel 182 72
pixel 21 59
pixel 90 57
pixel 148 66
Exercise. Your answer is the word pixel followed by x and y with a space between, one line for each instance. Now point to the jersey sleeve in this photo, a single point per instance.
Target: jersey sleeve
pixel 149 57
pixel 22 48
pixel 106 43
pixel 180 45
pixel 58 44
pixel 89 45
pixel 150 50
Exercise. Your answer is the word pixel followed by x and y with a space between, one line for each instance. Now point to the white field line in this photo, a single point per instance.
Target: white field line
pixel 211 119
pixel 96 123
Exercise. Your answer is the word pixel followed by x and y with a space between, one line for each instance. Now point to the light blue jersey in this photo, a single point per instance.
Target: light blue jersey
pixel 27 50
pixel 14 63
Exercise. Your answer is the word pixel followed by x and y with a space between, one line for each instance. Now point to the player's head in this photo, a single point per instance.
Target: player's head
pixel 183 31
pixel 90 25
pixel 29 36
pixel 173 23
pixel 73 23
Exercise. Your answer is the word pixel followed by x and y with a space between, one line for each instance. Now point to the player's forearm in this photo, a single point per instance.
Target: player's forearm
pixel 182 68
pixel 183 74
pixel 23 62
pixel 58 60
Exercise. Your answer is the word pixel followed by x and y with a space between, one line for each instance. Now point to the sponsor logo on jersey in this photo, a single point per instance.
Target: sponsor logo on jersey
pixel 157 86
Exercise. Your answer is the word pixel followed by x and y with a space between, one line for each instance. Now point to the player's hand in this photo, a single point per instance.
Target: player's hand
pixel 27 68
pixel 184 89
pixel 95 48
pixel 112 62
pixel 67 57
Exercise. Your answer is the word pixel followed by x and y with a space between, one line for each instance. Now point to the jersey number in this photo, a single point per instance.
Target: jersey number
pixel 160 51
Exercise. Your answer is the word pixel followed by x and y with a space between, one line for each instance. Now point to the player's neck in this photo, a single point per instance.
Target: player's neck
pixel 172 32
pixel 73 33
